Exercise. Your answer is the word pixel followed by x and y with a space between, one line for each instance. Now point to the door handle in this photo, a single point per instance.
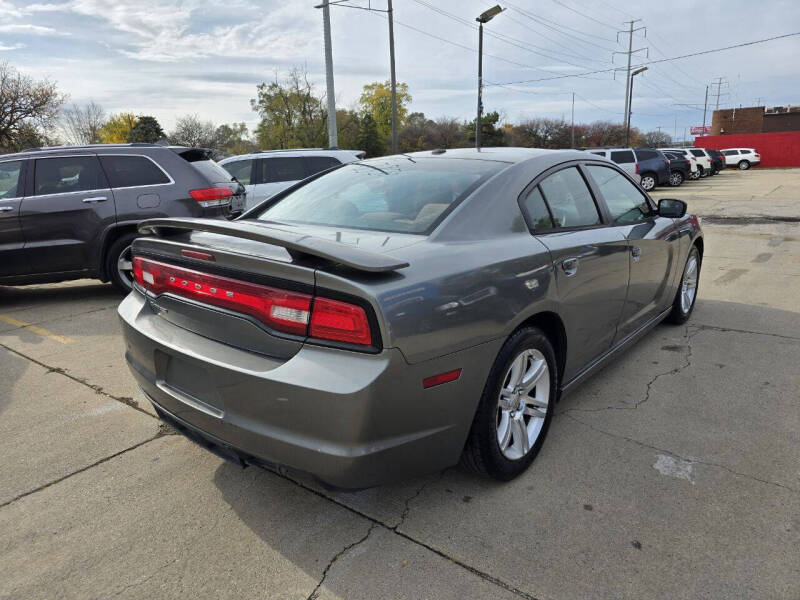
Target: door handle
pixel 6 208
pixel 95 199
pixel 636 253
pixel 569 266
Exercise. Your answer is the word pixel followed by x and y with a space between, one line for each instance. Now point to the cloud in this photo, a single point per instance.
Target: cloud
pixel 5 48
pixel 28 29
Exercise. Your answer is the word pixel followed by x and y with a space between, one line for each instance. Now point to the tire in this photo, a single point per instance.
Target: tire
pixel 743 165
pixel 121 278
pixel 703 172
pixel 648 182
pixel 694 175
pixel 501 451
pixel 686 296
pixel 675 178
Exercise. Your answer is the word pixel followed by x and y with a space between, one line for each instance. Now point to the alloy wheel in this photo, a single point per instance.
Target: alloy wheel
pixel 522 403
pixel 675 179
pixel 648 182
pixel 744 165
pixel 125 267
pixel 689 284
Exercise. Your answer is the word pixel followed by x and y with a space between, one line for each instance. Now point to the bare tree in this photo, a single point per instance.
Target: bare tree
pixel 191 131
pixel 26 106
pixel 81 125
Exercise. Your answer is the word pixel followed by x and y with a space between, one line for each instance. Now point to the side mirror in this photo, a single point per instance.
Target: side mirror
pixel 671 208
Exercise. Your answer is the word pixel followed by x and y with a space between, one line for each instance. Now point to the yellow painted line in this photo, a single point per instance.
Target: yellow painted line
pixel 39 330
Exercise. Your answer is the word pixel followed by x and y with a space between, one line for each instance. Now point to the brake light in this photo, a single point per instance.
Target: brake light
pixel 340 321
pixel 637 168
pixel 281 310
pixel 215 196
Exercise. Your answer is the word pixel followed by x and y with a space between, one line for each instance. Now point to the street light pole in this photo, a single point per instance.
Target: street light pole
pixel 394 79
pixel 630 104
pixel 484 17
pixel 333 137
pixel 572 134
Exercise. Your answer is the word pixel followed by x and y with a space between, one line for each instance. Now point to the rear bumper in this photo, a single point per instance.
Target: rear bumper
pixel 348 419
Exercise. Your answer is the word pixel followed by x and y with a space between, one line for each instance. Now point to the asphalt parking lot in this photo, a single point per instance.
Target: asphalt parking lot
pixel 674 473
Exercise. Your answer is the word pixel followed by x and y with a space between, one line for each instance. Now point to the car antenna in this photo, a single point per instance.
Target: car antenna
pixel 439 151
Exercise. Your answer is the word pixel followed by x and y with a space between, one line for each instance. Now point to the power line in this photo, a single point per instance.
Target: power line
pixel 546 23
pixel 584 15
pixel 653 62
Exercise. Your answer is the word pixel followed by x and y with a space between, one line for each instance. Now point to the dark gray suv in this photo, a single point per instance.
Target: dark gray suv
pixel 72 212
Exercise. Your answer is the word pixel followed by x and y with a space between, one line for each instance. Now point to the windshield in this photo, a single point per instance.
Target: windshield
pixel 406 195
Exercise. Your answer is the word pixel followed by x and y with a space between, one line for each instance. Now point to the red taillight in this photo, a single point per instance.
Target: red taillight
pixel 282 310
pixel 340 321
pixel 637 168
pixel 197 254
pixel 215 196
pixel 441 378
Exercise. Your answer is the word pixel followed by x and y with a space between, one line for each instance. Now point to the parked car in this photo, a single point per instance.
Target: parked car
pixel 741 158
pixel 71 212
pixel 717 160
pixel 704 166
pixel 680 168
pixel 266 173
pixel 649 165
pixel 389 317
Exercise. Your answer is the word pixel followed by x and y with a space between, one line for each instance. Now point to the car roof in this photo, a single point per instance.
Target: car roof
pixel 294 152
pixel 101 148
pixel 500 154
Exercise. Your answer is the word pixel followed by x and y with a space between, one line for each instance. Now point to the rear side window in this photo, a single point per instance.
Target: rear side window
pixel 211 171
pixel 287 168
pixel 131 171
pixel 730 152
pixel 569 199
pixel 315 164
pixel 535 210
pixel 697 152
pixel 625 202
pixel 68 174
pixel 622 156
pixel 241 169
pixel 9 179
pixel 646 154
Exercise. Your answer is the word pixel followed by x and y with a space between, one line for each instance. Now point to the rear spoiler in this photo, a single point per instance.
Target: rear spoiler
pixel 297 245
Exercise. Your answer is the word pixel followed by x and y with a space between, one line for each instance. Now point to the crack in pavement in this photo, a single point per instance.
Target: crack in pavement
pixel 732 330
pixel 689 459
pixel 148 578
pixel 315 592
pixel 414 496
pixel 161 433
pixel 92 386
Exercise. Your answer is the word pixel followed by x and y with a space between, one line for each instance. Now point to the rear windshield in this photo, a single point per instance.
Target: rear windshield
pixel 392 194
pixel 212 171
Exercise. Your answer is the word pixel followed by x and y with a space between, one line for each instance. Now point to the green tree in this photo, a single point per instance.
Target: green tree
pixel 234 139
pixel 348 124
pixel 292 114
pixel 147 129
pixel 117 130
pixel 491 134
pixel 376 99
pixel 368 138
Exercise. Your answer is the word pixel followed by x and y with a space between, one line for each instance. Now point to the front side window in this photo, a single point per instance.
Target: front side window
pixel 67 174
pixel 569 199
pixel 287 168
pixel 599 153
pixel 622 156
pixel 9 179
pixel 132 171
pixel 390 194
pixel 241 169
pixel 625 202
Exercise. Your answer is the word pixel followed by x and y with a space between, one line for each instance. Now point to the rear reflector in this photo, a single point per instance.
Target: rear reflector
pixel 197 254
pixel 441 378
pixel 281 310
pixel 215 196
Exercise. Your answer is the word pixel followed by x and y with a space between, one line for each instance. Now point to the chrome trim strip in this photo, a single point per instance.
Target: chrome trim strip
pixel 189 400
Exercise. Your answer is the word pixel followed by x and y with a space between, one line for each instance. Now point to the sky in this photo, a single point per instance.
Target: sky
pixel 205 57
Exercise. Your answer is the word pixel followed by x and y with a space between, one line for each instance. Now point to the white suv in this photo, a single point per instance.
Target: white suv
pixel 265 173
pixel 742 158
pixel 704 165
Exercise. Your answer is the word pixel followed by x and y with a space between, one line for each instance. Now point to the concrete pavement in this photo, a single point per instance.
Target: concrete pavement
pixel 672 473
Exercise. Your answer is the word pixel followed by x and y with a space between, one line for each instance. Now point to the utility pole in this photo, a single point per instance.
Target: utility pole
pixel 675 131
pixel 572 135
pixel 658 142
pixel 394 80
pixel 630 31
pixel 705 108
pixel 719 83
pixel 333 137
pixel 480 88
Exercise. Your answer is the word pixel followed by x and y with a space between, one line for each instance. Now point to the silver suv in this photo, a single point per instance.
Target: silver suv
pixel 70 212
pixel 268 172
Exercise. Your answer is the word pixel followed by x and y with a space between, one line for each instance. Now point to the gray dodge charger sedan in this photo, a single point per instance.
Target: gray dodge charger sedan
pixel 391 317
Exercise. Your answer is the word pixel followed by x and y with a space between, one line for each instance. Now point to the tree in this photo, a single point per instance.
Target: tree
pixel 349 125
pixel 292 114
pixel 117 130
pixel 27 107
pixel 376 99
pixel 368 138
pixel 234 139
pixel 414 135
pixel 447 132
pixel 191 131
pixel 541 133
pixel 491 135
pixel 147 129
pixel 656 139
pixel 81 125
